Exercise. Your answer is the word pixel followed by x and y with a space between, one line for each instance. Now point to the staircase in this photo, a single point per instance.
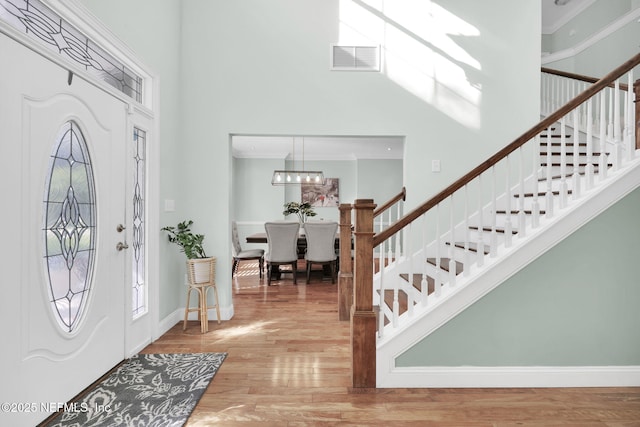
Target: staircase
pixel 440 258
pixel 496 226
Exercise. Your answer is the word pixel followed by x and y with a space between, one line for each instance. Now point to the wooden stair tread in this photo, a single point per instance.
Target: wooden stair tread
pixel 554 136
pixel 542 193
pixel 572 165
pixel 516 212
pixel 417 282
pixel 559 144
pixel 568 175
pixel 445 264
pixel 473 247
pixel 498 229
pixel 544 154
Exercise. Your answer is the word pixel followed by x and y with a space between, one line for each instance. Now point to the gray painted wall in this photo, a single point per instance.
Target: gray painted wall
pixel 260 67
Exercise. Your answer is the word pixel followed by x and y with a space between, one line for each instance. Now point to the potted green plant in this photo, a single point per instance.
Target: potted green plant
pixel 191 244
pixel 303 210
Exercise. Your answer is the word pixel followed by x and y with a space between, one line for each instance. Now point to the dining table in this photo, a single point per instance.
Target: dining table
pixel 302 241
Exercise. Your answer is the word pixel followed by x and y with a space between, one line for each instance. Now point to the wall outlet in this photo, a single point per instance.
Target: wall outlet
pixel 169 205
pixel 435 165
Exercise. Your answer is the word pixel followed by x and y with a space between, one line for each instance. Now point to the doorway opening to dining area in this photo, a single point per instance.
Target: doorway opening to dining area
pixel 362 166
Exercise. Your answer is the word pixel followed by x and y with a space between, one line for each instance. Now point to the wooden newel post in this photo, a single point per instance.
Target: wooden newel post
pixel 345 276
pixel 636 90
pixel 363 318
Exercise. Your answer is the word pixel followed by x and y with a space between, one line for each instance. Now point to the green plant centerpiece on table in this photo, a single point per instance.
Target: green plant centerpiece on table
pixel 303 210
pixel 190 243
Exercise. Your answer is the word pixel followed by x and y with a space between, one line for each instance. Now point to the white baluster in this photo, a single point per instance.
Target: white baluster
pixel 585 111
pixel 563 164
pixel 493 239
pixel 535 205
pixel 602 169
pixel 508 227
pixel 617 137
pixel 543 93
pixel 381 315
pixel 575 177
pixel 424 285
pixel 630 134
pixel 610 136
pixel 522 229
pixel 398 239
pixel 551 89
pixel 589 168
pixel 396 303
pixel 381 254
pixel 390 246
pixel 437 278
pixel 452 262
pixel 549 177
pixel 467 252
pixel 408 246
pixel 552 93
pixel 480 246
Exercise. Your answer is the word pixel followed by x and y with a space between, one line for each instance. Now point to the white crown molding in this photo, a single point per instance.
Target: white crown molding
pixel 595 38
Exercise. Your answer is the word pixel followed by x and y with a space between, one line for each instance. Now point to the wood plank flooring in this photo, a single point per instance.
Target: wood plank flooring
pixel 289 365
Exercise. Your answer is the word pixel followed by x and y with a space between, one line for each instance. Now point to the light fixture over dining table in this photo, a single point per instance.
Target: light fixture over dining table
pixel 296 176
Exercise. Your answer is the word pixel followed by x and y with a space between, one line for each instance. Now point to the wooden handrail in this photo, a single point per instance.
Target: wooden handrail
pixel 400 196
pixel 491 161
pixel 580 77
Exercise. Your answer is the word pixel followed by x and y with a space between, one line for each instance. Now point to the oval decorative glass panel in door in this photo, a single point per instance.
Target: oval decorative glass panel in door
pixel 69 226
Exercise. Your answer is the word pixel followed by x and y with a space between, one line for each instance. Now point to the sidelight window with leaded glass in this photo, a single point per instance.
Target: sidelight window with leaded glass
pixel 139 292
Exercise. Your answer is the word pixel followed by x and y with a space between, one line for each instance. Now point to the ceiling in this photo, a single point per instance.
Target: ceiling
pixel 369 147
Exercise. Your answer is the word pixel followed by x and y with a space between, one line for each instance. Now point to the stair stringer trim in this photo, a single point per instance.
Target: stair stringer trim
pixel 495 272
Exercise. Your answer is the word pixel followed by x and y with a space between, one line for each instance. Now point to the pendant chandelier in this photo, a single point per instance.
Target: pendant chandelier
pixel 297 176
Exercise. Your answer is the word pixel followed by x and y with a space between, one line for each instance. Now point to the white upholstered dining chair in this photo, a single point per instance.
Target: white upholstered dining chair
pixel 243 255
pixel 321 237
pixel 282 238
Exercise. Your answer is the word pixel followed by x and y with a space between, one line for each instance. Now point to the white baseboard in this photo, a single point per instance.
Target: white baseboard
pixel 509 376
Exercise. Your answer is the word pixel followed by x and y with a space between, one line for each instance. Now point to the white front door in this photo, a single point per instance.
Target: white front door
pixel 63 284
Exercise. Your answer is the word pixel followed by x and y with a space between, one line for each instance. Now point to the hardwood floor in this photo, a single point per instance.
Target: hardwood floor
pixel 288 364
